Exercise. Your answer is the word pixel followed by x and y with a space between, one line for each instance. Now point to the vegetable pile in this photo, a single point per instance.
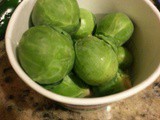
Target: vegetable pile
pixel 67 52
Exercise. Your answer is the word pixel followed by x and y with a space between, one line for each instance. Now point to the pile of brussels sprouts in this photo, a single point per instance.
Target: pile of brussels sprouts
pixel 70 54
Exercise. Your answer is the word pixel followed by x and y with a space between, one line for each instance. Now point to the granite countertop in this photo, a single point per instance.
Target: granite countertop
pixel 20 102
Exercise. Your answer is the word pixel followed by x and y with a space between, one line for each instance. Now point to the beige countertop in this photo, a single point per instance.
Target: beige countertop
pixel 20 102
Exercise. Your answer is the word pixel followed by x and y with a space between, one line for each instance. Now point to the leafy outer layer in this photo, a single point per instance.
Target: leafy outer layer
pixel 117 26
pixel 71 86
pixel 120 83
pixel 57 13
pixel 125 58
pixel 45 54
pixel 96 62
pixel 87 24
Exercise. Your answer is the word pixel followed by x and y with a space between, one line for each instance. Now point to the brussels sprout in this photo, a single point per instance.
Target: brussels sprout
pixel 124 57
pixel 57 13
pixel 120 83
pixel 96 62
pixel 108 40
pixel 117 26
pixel 46 55
pixel 87 24
pixel 71 86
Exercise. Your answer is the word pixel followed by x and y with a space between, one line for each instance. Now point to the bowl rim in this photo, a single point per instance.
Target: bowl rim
pixel 69 100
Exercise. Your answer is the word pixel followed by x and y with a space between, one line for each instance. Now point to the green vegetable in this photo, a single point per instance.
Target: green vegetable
pixel 120 83
pixel 7 7
pixel 45 54
pixel 71 86
pixel 108 40
pixel 117 26
pixel 87 24
pixel 124 57
pixel 57 13
pixel 96 62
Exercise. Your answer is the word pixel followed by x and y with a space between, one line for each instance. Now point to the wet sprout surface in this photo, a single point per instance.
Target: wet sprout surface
pixel 63 54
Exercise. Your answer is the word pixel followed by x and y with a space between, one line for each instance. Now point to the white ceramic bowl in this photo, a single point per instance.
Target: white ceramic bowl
pixel 145 46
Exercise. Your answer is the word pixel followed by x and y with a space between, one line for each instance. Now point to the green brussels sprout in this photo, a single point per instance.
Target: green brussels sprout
pixel 96 62
pixel 71 86
pixel 108 40
pixel 46 55
pixel 124 57
pixel 57 13
pixel 117 26
pixel 87 20
pixel 120 83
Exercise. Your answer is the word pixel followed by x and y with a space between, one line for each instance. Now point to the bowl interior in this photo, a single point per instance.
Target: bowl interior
pixel 145 42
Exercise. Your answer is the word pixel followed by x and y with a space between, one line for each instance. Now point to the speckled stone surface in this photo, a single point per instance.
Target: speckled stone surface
pixel 20 102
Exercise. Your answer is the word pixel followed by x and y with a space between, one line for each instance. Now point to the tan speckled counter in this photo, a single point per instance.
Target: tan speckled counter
pixel 20 102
